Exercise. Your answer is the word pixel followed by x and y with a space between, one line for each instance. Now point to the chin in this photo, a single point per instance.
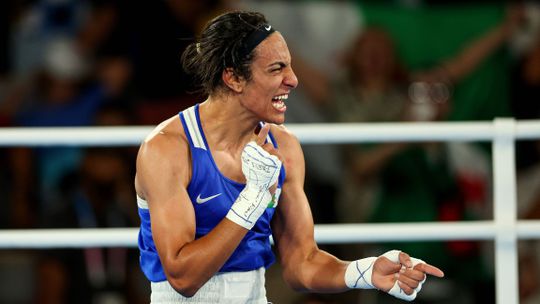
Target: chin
pixel 278 120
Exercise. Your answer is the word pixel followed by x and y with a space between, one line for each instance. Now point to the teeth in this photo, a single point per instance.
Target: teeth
pixel 281 97
pixel 278 105
pixel 278 102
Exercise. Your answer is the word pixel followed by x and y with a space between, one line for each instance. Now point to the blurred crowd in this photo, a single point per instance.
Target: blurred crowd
pixel 110 63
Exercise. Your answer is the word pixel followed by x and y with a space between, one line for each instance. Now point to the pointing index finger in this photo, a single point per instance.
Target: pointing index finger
pixel 430 269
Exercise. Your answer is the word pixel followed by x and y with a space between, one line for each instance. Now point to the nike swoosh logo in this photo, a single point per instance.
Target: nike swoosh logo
pixel 267 27
pixel 200 200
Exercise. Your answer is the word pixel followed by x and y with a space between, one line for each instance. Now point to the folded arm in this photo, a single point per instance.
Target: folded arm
pixel 163 174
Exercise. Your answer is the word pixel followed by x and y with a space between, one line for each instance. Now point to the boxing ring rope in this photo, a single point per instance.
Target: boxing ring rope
pixel 504 229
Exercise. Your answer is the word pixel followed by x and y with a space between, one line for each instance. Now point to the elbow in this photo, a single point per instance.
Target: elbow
pixel 182 278
pixel 294 282
pixel 296 286
pixel 186 288
pixel 298 273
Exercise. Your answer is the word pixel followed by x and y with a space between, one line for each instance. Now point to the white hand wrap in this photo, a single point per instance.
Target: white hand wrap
pixel 359 272
pixel 261 170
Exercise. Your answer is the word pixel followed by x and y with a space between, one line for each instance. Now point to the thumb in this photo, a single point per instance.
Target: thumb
pixel 261 136
pixel 386 266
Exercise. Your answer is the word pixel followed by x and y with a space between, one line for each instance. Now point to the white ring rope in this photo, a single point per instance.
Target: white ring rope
pixel 307 133
pixel 324 234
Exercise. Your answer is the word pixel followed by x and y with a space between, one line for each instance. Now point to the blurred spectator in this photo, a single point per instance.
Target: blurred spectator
pixel 65 95
pixel 161 83
pixel 98 194
pixel 374 87
pixel 41 22
pixel 18 209
pixel 6 8
pixel 386 182
pixel 73 63
pixel 525 93
pixel 529 272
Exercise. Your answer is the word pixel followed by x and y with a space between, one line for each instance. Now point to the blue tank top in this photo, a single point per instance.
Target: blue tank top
pixel 212 195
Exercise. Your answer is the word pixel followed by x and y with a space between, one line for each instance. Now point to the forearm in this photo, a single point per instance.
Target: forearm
pixel 196 262
pixel 320 272
pixel 473 55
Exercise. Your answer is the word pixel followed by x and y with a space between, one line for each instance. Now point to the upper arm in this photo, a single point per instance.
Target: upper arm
pixel 163 174
pixel 305 267
pixel 292 225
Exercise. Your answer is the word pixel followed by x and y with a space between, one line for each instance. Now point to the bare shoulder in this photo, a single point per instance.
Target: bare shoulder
pixel 285 138
pixel 167 140
pixel 165 150
pixel 289 148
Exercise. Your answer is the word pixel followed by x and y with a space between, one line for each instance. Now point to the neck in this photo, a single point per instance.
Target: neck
pixel 227 125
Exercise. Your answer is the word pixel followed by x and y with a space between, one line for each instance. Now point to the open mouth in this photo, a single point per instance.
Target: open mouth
pixel 278 102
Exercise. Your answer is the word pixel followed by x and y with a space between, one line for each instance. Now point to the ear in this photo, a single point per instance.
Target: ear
pixel 233 81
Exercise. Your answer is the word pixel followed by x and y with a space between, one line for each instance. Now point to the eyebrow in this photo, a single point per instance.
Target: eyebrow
pixel 280 63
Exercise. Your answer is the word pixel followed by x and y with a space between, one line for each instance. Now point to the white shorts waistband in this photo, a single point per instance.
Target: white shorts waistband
pixel 224 288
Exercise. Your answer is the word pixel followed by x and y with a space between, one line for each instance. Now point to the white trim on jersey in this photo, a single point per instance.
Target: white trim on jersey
pixel 193 128
pixel 269 139
pixel 141 203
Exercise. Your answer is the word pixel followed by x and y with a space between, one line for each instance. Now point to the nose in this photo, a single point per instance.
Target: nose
pixel 290 79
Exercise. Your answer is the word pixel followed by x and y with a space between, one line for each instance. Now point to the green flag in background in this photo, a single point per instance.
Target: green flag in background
pixel 427 35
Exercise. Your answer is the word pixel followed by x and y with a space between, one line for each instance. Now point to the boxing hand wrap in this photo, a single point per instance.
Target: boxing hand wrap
pixel 359 273
pixel 261 170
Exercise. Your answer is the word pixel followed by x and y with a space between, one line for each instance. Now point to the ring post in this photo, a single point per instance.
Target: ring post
pixel 505 211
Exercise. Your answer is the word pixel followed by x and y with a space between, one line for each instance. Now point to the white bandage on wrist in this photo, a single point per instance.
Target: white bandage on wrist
pixel 249 206
pixel 359 272
pixel 261 170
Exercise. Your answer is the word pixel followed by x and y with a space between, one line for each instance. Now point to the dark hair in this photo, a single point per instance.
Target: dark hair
pixel 220 46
